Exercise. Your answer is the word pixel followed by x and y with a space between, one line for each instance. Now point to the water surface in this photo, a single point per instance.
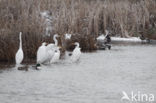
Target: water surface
pixel 99 77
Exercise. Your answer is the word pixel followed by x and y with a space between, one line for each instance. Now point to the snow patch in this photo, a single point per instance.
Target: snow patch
pixel 131 39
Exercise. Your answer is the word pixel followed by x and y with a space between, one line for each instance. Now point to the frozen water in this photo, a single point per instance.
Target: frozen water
pixel 99 77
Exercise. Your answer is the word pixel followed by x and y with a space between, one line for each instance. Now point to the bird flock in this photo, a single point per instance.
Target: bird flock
pixel 47 53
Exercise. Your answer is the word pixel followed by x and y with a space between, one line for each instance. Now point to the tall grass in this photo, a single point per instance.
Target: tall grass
pixel 85 19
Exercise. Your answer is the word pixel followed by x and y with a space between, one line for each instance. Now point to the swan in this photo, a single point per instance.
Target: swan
pixel 56 56
pixel 76 53
pixel 19 55
pixel 41 54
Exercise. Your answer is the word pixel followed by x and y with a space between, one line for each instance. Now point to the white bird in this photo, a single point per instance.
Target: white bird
pixel 103 37
pixel 76 53
pixel 68 36
pixel 19 55
pixel 107 32
pixel 42 54
pixel 56 56
pixel 52 47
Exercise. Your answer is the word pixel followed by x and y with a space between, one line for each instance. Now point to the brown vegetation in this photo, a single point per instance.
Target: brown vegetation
pixel 86 19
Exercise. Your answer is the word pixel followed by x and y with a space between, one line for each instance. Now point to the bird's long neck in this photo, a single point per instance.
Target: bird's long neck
pixel 55 40
pixel 77 45
pixel 106 33
pixel 20 40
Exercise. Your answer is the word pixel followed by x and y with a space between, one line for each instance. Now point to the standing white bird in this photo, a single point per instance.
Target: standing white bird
pixel 42 54
pixel 19 55
pixel 56 56
pixel 52 47
pixel 103 37
pixel 76 53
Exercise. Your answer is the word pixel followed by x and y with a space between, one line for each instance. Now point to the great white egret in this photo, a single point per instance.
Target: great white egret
pixel 76 53
pixel 19 54
pixel 42 54
pixel 46 53
pixel 56 56
pixel 52 47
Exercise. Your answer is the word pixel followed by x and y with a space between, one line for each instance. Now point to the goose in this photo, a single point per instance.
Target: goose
pixel 56 56
pixel 19 54
pixel 76 53
pixel 41 54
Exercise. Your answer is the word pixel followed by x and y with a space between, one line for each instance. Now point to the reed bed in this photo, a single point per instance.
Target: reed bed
pixel 85 19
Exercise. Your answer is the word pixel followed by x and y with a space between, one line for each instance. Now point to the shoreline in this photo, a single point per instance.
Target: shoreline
pixel 5 64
